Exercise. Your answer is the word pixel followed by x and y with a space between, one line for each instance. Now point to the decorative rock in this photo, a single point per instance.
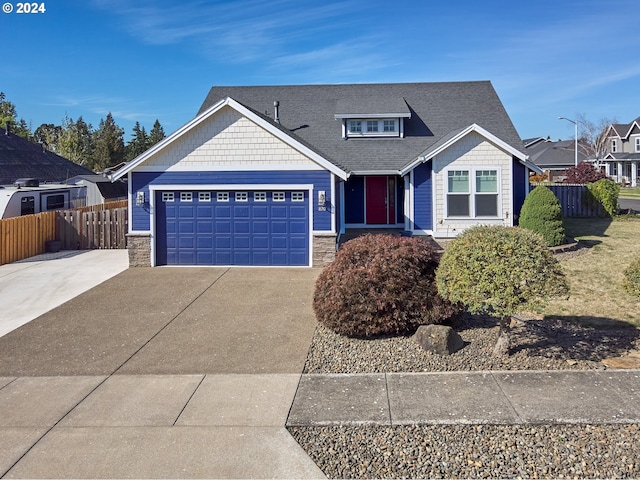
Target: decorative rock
pixel 439 339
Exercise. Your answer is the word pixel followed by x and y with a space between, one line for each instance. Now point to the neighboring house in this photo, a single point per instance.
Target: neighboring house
pixel 623 157
pixel 20 158
pixel 101 189
pixel 554 158
pixel 275 175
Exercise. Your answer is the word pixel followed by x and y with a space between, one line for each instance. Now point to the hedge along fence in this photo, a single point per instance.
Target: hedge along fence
pixel 575 200
pixel 97 226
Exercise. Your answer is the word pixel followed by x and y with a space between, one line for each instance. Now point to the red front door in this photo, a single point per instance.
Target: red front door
pixel 377 201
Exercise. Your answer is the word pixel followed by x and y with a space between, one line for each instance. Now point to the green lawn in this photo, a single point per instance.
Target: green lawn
pixel 595 277
pixel 630 192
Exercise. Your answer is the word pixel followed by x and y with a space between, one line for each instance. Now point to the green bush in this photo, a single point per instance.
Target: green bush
pixel 631 281
pixel 541 213
pixel 381 285
pixel 606 192
pixel 499 271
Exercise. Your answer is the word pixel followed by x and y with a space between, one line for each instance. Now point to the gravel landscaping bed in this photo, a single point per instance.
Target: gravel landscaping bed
pixel 474 451
pixel 535 345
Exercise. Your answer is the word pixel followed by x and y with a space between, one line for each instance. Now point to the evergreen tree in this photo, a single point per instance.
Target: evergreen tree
pixel 9 115
pixel 48 135
pixel 109 144
pixel 76 141
pixel 139 142
pixel 156 134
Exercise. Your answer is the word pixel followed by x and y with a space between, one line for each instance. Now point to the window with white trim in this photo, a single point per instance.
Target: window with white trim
pixel 297 196
pixel 472 193
pixel 637 144
pixel 222 196
pixel 259 196
pixel 373 127
pixel 277 196
pixel 167 196
pixel 614 145
pixel 242 197
pixel 204 196
pixel 186 196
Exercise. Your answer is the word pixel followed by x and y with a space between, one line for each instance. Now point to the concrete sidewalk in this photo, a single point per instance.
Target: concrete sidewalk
pixel 34 286
pixel 526 397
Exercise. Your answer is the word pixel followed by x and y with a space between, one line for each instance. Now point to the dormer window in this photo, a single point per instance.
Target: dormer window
pixel 373 127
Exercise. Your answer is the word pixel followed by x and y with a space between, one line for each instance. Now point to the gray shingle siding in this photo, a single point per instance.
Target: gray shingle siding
pixel 307 112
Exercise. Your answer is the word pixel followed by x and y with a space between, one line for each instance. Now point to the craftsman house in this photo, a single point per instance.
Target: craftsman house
pixel 623 157
pixel 275 175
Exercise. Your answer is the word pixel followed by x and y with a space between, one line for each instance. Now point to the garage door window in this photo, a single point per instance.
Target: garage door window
pixel 186 196
pixel 167 196
pixel 204 196
pixel 222 196
pixel 278 196
pixel 260 197
pixel 297 196
pixel 242 196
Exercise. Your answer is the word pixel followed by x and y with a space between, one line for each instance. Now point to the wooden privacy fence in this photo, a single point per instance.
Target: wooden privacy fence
pixel 576 200
pixel 97 226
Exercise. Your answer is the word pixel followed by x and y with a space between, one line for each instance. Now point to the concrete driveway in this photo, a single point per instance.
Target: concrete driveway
pixel 172 321
pixel 160 373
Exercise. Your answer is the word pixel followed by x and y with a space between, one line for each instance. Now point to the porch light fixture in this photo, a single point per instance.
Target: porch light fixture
pixel 140 199
pixel 575 124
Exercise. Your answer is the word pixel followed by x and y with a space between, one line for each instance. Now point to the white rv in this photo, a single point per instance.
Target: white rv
pixel 27 196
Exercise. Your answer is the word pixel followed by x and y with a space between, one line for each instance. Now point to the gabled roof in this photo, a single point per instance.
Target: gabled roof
pixel 558 155
pixel 273 127
pixel 452 137
pixel 623 130
pixel 20 158
pixel 311 114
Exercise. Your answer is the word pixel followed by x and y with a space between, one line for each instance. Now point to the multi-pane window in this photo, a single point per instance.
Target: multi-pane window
pixel 486 194
pixel 389 126
pixel 355 126
pixel 204 196
pixel 222 196
pixel 637 144
pixel 278 196
pixel 372 126
pixel 242 196
pixel 186 196
pixel 472 199
pixel 260 196
pixel 297 196
pixel 167 196
pixel 458 192
pixel 614 145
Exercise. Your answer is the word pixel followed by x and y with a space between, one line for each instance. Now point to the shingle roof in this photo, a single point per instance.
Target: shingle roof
pixel 20 158
pixel 437 109
pixel 559 154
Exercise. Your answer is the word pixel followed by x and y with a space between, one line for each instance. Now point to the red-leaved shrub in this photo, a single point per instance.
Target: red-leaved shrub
pixel 381 285
pixel 584 173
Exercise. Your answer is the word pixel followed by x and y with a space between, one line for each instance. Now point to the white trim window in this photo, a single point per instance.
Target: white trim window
pixel 614 145
pixel 167 196
pixel 242 196
pixel 373 127
pixel 637 144
pixel 259 196
pixel 472 193
pixel 222 196
pixel 278 196
pixel 204 196
pixel 297 196
pixel 186 196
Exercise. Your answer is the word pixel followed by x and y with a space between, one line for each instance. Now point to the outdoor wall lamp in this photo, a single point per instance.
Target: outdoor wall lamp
pixel 140 199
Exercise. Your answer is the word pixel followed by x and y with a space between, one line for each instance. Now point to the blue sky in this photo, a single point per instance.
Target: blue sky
pixel 143 59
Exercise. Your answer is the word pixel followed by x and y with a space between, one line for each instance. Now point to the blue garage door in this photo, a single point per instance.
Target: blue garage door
pixel 232 228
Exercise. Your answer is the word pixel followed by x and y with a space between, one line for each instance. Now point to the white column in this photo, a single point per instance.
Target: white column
pixel 619 179
pixel 634 174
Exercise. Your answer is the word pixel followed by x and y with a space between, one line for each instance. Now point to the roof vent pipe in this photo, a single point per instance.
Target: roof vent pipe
pixel 276 106
pixel 7 127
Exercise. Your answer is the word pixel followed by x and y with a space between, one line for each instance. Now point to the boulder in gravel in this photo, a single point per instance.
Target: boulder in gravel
pixel 439 339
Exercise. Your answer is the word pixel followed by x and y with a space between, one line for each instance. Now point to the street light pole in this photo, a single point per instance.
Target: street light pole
pixel 575 124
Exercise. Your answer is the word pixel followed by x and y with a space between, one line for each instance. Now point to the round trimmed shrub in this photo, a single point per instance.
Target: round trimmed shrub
pixel 606 192
pixel 541 213
pixel 499 271
pixel 631 282
pixel 381 285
